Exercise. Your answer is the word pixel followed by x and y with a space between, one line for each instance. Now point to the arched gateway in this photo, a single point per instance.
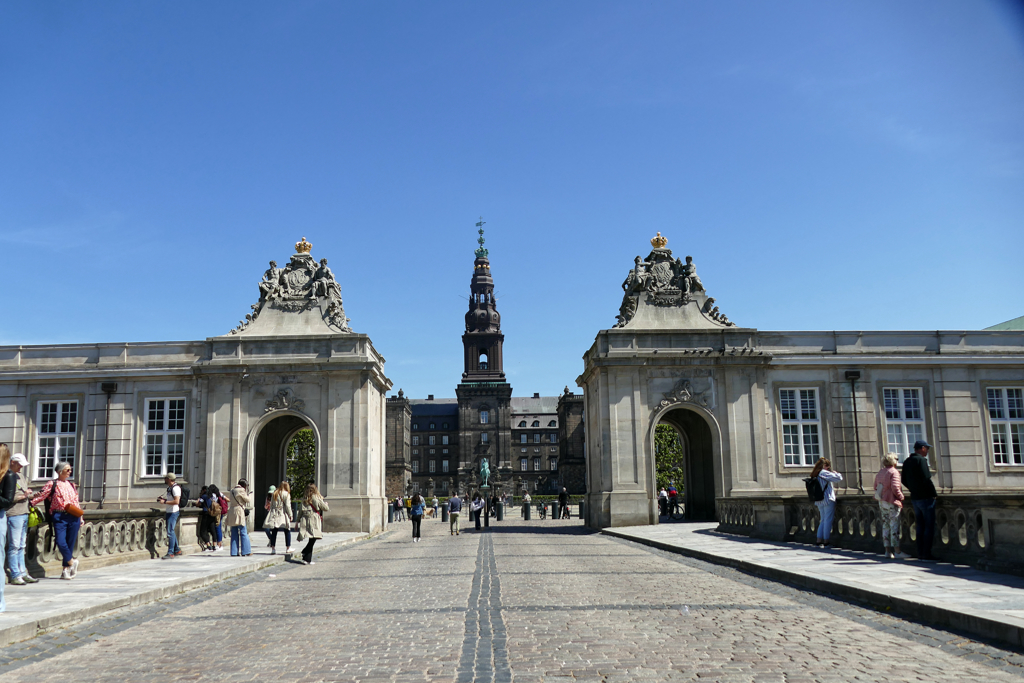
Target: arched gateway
pixel 697 482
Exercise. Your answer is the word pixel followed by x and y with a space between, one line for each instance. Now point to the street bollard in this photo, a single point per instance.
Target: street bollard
pixel 526 511
pixel 581 508
pixel 487 516
pixel 444 511
pixel 554 509
pixel 499 512
pixel 391 513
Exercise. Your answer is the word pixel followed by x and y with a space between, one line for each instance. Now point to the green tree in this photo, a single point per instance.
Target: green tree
pixel 301 468
pixel 668 457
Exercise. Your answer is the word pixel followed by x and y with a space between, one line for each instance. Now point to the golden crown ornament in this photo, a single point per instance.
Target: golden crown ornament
pixel 659 242
pixel 305 247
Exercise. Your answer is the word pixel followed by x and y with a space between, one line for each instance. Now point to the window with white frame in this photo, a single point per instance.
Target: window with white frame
pixel 444 440
pixel 57 437
pixel 165 437
pixel 415 451
pixel 554 438
pixel 801 426
pixel 444 465
pixel 554 449
pixel 431 425
pixel 904 419
pixel 415 466
pixel 444 451
pixel 444 486
pixel 536 464
pixel 524 464
pixel 433 465
pixel 536 438
pixel 1006 415
pixel 554 465
pixel 432 439
pixel 483 437
pixel 522 438
pixel 416 440
pixel 522 450
pixel 484 416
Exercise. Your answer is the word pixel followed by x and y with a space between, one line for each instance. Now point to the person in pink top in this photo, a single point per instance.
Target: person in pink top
pixel 889 494
pixel 58 494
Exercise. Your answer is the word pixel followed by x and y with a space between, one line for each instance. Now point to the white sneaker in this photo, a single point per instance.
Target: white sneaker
pixel 900 556
pixel 66 574
pixel 74 568
pixel 273 551
pixel 289 550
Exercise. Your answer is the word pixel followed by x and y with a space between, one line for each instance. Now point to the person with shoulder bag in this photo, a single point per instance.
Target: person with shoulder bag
pixel 65 513
pixel 311 518
pixel 18 521
pixel 279 517
pixel 173 501
pixel 827 505
pixel 238 510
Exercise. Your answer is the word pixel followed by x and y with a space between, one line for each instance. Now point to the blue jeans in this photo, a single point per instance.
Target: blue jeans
pixel 240 541
pixel 3 545
pixel 172 538
pixel 17 534
pixel 924 521
pixel 827 510
pixel 65 532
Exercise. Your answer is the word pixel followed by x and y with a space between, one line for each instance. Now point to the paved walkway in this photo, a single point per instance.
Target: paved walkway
pixel 980 603
pixel 544 601
pixel 53 603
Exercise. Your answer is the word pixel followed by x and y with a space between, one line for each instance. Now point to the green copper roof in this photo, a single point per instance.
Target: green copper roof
pixel 1015 324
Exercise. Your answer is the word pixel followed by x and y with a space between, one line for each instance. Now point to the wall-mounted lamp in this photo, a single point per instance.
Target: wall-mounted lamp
pixel 853 375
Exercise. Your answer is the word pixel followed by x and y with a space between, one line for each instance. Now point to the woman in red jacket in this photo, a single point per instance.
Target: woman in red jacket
pixel 59 494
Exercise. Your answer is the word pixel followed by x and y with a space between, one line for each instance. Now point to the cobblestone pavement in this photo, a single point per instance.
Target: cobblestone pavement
pixel 538 601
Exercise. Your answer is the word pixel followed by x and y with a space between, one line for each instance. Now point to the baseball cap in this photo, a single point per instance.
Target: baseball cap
pixel 920 443
pixel 20 459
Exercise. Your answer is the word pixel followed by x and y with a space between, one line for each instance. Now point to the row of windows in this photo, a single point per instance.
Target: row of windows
pixel 904 423
pixel 431 466
pixel 536 423
pixel 163 436
pixel 444 451
pixel 552 438
pixel 553 449
pixel 433 425
pixel 524 464
pixel 431 440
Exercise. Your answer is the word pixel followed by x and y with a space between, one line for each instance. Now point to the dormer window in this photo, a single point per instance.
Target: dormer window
pixel 536 423
pixel 432 425
pixel 552 424
pixel 522 423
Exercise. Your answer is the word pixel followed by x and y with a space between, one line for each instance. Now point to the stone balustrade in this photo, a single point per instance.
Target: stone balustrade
pixel 110 537
pixel 983 530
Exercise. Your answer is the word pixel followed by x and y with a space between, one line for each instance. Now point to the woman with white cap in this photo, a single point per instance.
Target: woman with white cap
pixel 17 523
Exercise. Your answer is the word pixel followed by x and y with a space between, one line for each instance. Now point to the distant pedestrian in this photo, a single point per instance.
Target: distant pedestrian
pixel 311 516
pixel 8 487
pixel 17 523
pixel 663 501
pixel 889 494
pixel 204 532
pixel 434 505
pixel 399 509
pixel 827 506
pixel 172 500
pixel 917 477
pixel 279 517
pixel 266 506
pixel 454 509
pixel 61 498
pixel 223 503
pixel 416 515
pixel 476 507
pixel 238 510
pixel 210 517
pixel 563 504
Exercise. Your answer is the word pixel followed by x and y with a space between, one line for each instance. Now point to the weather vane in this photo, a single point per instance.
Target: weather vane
pixel 481 252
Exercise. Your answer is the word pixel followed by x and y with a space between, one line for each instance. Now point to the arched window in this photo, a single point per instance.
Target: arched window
pixel 482 363
pixel 523 423
pixel 552 424
pixel 536 423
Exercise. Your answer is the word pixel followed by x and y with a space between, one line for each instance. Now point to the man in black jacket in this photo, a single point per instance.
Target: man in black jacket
pixel 918 478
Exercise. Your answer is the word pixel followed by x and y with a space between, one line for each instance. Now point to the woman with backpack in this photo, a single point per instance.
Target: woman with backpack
pixel 416 515
pixel 311 514
pixel 223 503
pixel 63 507
pixel 827 505
pixel 279 517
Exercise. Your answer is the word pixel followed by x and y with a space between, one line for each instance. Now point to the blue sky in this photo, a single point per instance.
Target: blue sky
pixel 828 166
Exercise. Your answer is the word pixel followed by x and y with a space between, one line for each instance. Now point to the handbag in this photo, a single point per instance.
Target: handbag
pixel 73 509
pixel 35 517
pixel 878 491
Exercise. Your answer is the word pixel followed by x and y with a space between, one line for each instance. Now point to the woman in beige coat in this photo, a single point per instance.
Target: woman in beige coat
pixel 238 503
pixel 311 525
pixel 280 517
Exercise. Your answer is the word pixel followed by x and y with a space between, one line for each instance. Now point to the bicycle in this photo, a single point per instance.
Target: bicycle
pixel 676 508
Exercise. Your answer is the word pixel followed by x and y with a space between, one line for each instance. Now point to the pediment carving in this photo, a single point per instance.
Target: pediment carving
pixel 284 400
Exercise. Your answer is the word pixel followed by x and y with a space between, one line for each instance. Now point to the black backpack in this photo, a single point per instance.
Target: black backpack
pixel 815 491
pixel 186 494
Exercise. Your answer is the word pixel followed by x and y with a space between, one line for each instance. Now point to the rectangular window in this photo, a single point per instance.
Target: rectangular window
pixel 801 426
pixel 904 420
pixel 554 438
pixel 415 466
pixel 554 449
pixel 536 450
pixel 444 465
pixel 165 437
pixel 536 464
pixel 1006 415
pixel 57 436
pixel 483 437
pixel 444 440
pixel 416 440
pixel 415 451
pixel 432 439
pixel 444 451
pixel 524 464
pixel 444 426
pixel 433 465
pixel 484 416
pixel 554 465
pixel 433 450
pixel 522 450
pixel 536 438
pixel 522 438
pixel 444 486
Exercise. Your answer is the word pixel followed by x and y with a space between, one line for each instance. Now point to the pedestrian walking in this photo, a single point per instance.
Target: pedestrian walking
pixel 311 516
pixel 434 505
pixel 266 506
pixel 917 477
pixel 8 487
pixel 416 515
pixel 399 509
pixel 827 505
pixel 172 500
pixel 280 517
pixel 63 508
pixel 454 509
pixel 476 506
pixel 222 503
pixel 889 494
pixel 209 519
pixel 238 510
pixel 203 533
pixel 663 501
pixel 563 504
pixel 17 523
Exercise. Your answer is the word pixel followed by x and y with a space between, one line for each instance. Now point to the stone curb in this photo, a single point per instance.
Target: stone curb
pixel 985 625
pixel 30 629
